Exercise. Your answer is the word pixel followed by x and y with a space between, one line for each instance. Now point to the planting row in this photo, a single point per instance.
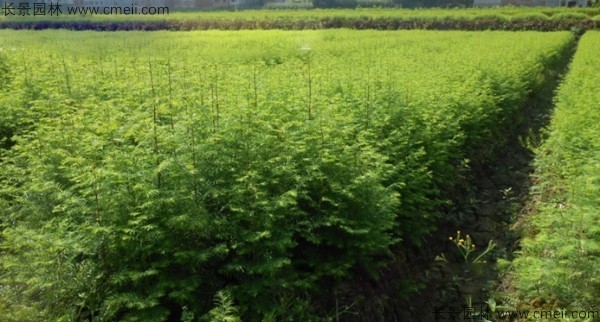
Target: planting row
pixel 559 266
pixel 147 174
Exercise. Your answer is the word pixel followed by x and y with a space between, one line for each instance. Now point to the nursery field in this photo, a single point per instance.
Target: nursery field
pixel 252 174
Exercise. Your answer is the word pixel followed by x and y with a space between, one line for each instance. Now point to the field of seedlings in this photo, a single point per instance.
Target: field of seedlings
pixel 253 174
pixel 560 264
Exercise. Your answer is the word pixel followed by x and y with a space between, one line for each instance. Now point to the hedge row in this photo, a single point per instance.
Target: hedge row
pixel 568 23
pixel 559 266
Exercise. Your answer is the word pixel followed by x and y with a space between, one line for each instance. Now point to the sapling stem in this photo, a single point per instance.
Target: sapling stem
pixel 154 122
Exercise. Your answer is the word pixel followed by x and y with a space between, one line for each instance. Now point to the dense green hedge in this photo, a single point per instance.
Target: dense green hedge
pixel 505 18
pixel 153 172
pixel 559 265
pixel 484 22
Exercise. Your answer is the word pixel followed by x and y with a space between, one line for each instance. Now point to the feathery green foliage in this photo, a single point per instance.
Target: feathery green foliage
pixel 560 260
pixel 158 169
